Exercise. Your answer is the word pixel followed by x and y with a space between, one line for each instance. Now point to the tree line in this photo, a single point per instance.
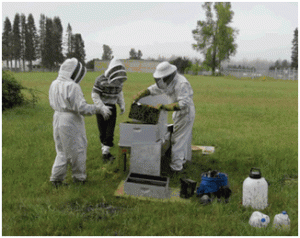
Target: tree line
pixel 215 39
pixel 23 42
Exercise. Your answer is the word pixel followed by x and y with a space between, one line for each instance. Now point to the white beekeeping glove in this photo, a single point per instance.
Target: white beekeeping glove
pixel 105 112
pixel 121 103
pixel 122 110
pixel 101 107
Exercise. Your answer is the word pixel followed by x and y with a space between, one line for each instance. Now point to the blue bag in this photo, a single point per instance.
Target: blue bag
pixel 212 184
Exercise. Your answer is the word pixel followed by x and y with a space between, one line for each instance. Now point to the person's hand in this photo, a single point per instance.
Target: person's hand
pixel 105 112
pixel 122 110
pixel 136 97
pixel 171 107
pixel 159 106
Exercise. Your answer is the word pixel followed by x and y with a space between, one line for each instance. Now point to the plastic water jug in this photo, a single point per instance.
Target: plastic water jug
pixel 259 219
pixel 255 190
pixel 282 221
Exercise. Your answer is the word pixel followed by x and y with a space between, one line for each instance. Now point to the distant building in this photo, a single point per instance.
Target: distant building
pixel 142 66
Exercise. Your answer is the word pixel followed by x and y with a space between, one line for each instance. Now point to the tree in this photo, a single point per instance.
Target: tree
pixel 23 39
pixel 16 39
pixel 139 55
pixel 135 55
pixel 107 53
pixel 69 39
pixel 79 51
pixel 42 37
pixel 91 64
pixel 295 50
pixel 7 42
pixel 215 39
pixel 57 41
pixel 285 64
pixel 48 54
pixel 31 41
pixel 132 54
pixel 181 64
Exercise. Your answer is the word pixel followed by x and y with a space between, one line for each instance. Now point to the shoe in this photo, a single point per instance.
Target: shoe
pixel 57 184
pixel 77 181
pixel 174 173
pixel 111 158
pixel 108 158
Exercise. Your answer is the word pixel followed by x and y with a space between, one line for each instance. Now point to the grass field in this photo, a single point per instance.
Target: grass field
pixel 252 123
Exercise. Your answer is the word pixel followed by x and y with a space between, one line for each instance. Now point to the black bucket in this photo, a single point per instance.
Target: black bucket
pixel 188 187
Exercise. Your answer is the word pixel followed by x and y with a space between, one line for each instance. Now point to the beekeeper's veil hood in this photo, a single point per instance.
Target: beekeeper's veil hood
pixel 72 69
pixel 116 73
pixel 164 74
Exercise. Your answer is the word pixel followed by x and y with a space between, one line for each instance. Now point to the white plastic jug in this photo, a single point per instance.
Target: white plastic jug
pixel 259 219
pixel 255 190
pixel 282 221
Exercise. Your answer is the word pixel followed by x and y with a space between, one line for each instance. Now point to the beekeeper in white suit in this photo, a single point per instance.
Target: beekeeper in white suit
pixel 67 100
pixel 178 88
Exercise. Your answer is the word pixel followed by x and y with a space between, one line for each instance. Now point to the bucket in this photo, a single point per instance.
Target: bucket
pixel 282 221
pixel 255 190
pixel 259 219
pixel 187 188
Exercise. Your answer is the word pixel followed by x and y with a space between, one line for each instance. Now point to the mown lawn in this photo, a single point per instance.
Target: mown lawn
pixel 251 123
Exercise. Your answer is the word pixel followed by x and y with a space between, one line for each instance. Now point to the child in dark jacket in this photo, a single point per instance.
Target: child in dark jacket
pixel 106 93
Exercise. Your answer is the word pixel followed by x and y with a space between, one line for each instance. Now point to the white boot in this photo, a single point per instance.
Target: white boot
pixel 105 149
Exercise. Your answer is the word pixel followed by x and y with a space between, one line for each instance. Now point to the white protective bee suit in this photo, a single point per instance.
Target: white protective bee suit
pixel 67 100
pixel 180 91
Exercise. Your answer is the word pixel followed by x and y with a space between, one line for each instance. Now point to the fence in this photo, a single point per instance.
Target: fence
pixel 291 74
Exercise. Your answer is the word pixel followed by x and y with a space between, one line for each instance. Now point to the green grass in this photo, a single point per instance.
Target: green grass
pixel 252 123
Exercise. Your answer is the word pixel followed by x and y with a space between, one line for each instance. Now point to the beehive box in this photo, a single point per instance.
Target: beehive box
pixel 147 114
pixel 145 158
pixel 147 186
pixel 138 131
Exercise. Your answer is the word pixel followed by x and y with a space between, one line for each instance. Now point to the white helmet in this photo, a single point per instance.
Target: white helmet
pixel 115 73
pixel 72 69
pixel 164 74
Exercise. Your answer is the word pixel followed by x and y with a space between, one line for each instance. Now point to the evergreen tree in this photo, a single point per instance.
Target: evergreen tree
pixel 295 50
pixel 48 54
pixel 215 39
pixel 31 41
pixel 285 64
pixel 16 40
pixel 107 53
pixel 7 42
pixel 23 39
pixel 57 41
pixel 79 51
pixel 69 40
pixel 42 36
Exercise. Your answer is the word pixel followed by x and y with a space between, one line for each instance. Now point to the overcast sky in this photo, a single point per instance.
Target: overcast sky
pixel 165 28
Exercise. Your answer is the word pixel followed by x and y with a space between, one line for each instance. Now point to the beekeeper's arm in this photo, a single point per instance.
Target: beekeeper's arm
pixel 102 108
pixel 77 101
pixel 121 102
pixel 141 94
pixel 183 96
